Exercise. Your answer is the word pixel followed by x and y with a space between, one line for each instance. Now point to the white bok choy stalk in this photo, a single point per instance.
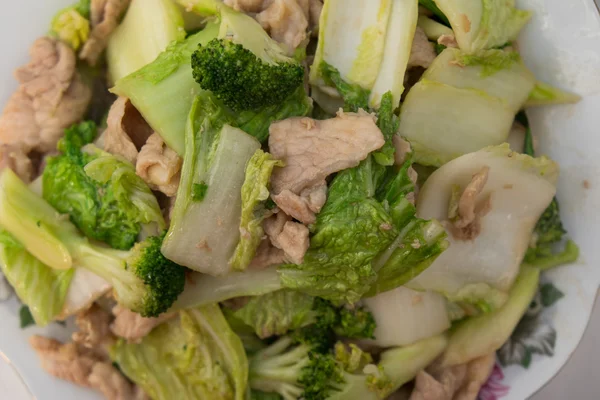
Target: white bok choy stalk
pixel 404 316
pixel 464 102
pixel 480 270
pixel 204 231
pixel 147 29
pixel 367 44
pixel 483 24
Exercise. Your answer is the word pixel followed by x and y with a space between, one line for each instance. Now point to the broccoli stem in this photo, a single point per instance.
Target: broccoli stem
pixel 569 255
pixel 143 280
pixel 277 369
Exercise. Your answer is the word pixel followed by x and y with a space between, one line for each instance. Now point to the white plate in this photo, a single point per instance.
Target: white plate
pixel 561 45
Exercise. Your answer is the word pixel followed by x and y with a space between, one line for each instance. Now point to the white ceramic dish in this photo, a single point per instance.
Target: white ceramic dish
pixel 561 45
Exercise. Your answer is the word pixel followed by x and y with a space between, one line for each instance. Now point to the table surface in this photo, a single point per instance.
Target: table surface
pixel 579 379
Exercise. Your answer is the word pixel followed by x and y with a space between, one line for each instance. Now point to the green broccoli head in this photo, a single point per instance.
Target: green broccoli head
pixel 143 280
pixel 242 80
pixel 162 280
pixel 308 363
pixel 549 228
pixel 244 67
pixel 355 323
pixel 295 370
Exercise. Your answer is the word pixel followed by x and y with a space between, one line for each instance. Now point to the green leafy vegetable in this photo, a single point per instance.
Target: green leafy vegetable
pixel 471 97
pixel 362 230
pixel 278 312
pixel 483 24
pixel 202 289
pixel 25 317
pixel 164 90
pixel 368 46
pixel 72 25
pixel 40 287
pixel 244 67
pixel 204 235
pixel 439 48
pixel 255 192
pixel 478 336
pixel 83 7
pixel 258 395
pixel 143 280
pixel 356 98
pixel 199 191
pixel 300 370
pixel 491 62
pixel 146 31
pixel 195 356
pixel 549 231
pixel 388 124
pixel 257 122
pixel 433 29
pixel 102 193
pixel 351 357
pixel 351 229
pixel 431 6
pixel 550 294
pixel 204 8
pixel 521 187
pixel 544 94
pixel 286 310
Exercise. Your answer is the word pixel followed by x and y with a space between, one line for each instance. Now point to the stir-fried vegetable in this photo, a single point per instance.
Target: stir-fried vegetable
pixel 388 237
pixel 142 278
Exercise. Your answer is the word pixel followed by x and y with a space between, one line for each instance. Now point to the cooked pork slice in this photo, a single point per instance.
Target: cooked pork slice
pixel 132 326
pixel 305 206
pixel 50 98
pixel 13 157
pixel 267 255
pixel 312 150
pixel 94 327
pixel 422 52
pixel 126 131
pixel 289 236
pixel 105 16
pixel 460 382
pixel 113 385
pixel 159 166
pixel 286 21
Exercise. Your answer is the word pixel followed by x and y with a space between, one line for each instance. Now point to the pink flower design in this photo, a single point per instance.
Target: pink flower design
pixel 494 388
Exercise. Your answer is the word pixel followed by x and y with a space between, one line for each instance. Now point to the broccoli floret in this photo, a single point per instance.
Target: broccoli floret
pixel 355 323
pixel 244 67
pixel 142 278
pixel 307 363
pixel 298 370
pixel 101 193
pixel 162 279
pixel 294 370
